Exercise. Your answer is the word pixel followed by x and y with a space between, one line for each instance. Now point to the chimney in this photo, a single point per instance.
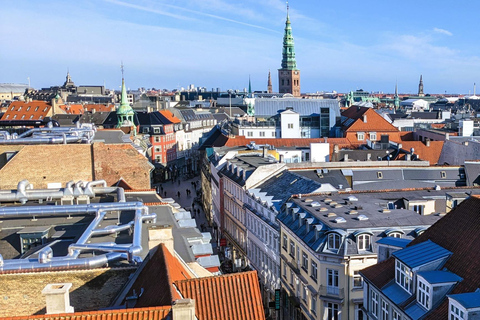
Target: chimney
pixel 345 157
pixel 282 158
pixel 427 142
pixel 369 156
pixel 183 309
pixel 264 151
pixel 58 298
pixel 160 234
pixel 365 118
pixel 409 157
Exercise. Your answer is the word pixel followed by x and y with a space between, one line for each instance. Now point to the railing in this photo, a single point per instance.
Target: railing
pixel 331 292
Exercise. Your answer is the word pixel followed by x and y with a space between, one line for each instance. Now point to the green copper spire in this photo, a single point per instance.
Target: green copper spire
pixel 125 112
pixel 249 87
pixel 288 54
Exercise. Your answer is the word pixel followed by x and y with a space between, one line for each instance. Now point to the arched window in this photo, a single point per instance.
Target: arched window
pixel 364 241
pixel 334 241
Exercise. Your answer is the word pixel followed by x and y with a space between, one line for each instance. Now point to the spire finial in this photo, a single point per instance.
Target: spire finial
pixel 121 67
pixel 288 8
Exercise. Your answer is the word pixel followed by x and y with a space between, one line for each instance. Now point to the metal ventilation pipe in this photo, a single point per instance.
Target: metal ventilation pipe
pixel 45 255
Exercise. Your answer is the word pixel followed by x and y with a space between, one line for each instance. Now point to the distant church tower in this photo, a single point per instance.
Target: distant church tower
pixel 288 75
pixel 420 88
pixel 396 99
pixel 269 84
pixel 125 112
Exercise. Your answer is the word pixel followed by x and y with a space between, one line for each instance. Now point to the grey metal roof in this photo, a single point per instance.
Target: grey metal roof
pixel 472 172
pixel 12 87
pixel 305 107
pixel 421 253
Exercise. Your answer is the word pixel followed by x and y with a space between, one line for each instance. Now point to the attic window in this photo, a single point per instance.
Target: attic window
pixel 360 136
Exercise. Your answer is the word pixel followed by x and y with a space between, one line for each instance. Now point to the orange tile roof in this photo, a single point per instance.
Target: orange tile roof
pixel 169 115
pixel 72 108
pixel 430 154
pixel 157 278
pixel 374 123
pixel 21 110
pixel 153 313
pixel 234 296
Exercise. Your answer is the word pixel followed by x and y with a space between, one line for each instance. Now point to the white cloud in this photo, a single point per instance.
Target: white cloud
pixel 442 31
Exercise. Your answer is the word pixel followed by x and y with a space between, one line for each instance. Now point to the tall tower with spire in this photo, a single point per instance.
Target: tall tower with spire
pixel 288 75
pixel 125 112
pixel 269 83
pixel 420 88
pixel 396 99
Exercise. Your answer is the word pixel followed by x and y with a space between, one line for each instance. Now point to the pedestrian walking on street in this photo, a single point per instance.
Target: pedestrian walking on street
pixel 178 193
pixel 165 194
pixel 161 188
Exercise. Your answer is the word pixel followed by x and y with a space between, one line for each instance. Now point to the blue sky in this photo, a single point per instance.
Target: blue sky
pixel 340 46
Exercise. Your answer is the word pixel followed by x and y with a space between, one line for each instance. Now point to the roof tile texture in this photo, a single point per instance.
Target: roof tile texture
pixel 21 110
pixel 153 313
pixel 234 296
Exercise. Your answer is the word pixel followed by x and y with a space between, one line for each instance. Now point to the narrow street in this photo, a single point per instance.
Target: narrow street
pixel 177 190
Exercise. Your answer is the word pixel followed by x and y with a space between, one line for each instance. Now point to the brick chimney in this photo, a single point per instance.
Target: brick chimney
pixel 58 298
pixel 183 309
pixel 160 234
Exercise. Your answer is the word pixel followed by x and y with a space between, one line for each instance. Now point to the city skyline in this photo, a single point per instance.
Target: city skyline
pixel 217 43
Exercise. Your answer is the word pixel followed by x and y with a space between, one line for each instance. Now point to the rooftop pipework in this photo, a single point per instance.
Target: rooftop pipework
pixel 83 133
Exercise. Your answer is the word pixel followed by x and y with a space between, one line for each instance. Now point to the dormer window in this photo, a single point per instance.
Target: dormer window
pixel 333 241
pixel 360 136
pixel 456 313
pixel 403 276
pixel 364 242
pixel 395 234
pixel 424 294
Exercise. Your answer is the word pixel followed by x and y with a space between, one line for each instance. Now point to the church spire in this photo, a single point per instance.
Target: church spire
pixel 396 98
pixel 125 112
pixel 249 87
pixel 288 54
pixel 420 88
pixel 289 75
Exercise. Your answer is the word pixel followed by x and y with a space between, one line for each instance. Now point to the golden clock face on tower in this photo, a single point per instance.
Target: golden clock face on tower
pixel 296 72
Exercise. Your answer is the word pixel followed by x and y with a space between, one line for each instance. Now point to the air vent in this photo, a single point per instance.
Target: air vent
pixel 362 217
pixel 327 200
pixel 353 212
pixel 308 200
pixel 340 220
pixel 338 206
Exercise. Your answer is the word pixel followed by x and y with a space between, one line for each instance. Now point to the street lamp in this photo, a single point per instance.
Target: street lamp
pixel 388 156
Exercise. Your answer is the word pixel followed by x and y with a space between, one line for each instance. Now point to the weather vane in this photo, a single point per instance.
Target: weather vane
pixel 121 67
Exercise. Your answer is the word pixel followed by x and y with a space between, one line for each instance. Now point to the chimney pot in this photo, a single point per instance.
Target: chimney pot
pixel 58 298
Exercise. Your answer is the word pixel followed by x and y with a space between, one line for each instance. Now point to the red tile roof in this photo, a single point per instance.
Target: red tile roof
pixel 169 115
pixel 374 122
pixel 21 110
pixel 430 153
pixel 157 279
pixel 234 296
pixel 153 313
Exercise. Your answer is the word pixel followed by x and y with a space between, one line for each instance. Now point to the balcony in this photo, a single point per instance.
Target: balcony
pixel 331 292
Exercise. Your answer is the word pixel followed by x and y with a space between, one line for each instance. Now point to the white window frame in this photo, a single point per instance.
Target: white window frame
pixel 334 240
pixel 313 270
pixel 332 281
pixel 360 136
pixel 374 303
pixel 424 293
pixel 304 261
pixel 403 276
pixel 396 315
pixel 456 311
pixel 364 242
pixel 313 304
pixel 357 277
pixel 292 249
pixel 395 234
pixel 384 310
pixel 332 311
pixel 373 136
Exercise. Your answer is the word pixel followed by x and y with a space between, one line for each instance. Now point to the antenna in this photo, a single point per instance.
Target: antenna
pixel 121 67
